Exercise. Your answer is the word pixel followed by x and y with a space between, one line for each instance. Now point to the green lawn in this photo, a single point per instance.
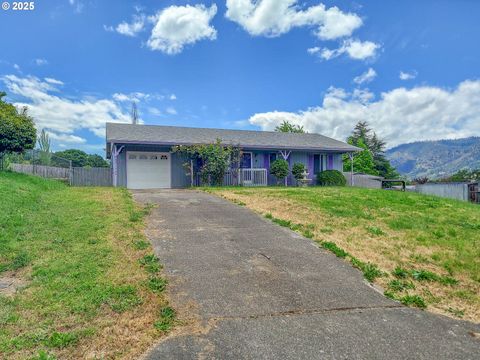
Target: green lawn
pixel 87 284
pixel 423 250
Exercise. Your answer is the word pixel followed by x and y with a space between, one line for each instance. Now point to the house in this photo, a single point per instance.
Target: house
pixel 141 155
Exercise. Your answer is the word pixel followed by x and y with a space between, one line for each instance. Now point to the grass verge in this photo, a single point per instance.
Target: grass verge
pixel 424 251
pixel 88 286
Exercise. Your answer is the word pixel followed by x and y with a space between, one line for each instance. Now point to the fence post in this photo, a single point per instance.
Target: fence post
pixel 70 175
pixel 350 155
pixel 34 166
pixel 191 173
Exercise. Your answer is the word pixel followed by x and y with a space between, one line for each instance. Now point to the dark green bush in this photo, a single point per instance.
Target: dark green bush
pixel 331 178
pixel 279 169
pixel 297 170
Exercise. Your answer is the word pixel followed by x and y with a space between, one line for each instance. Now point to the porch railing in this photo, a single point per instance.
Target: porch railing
pixel 242 177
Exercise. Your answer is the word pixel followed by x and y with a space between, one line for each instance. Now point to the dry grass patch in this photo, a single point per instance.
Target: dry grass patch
pixel 390 230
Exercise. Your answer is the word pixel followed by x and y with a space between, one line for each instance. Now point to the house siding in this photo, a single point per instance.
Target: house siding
pixel 260 159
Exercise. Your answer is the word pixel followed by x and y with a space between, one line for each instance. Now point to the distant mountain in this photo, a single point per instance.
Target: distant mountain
pixel 435 159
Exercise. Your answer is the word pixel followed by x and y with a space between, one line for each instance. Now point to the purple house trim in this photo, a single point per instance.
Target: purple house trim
pixel 330 162
pixel 266 160
pixel 310 167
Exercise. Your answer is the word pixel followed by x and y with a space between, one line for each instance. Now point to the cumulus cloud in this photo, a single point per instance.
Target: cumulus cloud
pixel 355 49
pixel 40 62
pixel 63 116
pixel 77 5
pixel 132 97
pixel 276 17
pixel 366 77
pixel 400 115
pixel 68 138
pixel 130 29
pixel 171 110
pixel 178 26
pixel 407 75
pixel 53 81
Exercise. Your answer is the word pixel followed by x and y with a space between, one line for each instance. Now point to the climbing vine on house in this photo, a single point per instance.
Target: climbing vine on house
pixel 210 161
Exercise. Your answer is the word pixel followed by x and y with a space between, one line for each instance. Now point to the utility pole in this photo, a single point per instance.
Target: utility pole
pixel 134 113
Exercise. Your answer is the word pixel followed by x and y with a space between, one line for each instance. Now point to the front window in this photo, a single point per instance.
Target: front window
pixel 272 158
pixel 246 161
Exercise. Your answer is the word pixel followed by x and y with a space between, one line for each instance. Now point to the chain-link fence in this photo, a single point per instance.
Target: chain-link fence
pixel 48 165
pixel 40 163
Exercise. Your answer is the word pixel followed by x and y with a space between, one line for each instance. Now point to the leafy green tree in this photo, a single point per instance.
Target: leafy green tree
pixel 288 127
pixel 464 175
pixel 215 159
pixel 17 130
pixel 95 160
pixel 44 141
pixel 362 161
pixel 279 169
pixel 78 158
pixel 363 134
pixel 44 146
pixel 298 170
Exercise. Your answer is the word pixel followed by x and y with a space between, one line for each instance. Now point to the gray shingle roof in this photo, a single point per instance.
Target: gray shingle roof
pixel 175 135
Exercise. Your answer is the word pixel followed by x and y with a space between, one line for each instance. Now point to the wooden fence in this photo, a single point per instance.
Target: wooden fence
pixel 51 172
pixel 76 176
pixel 91 176
pixel 458 191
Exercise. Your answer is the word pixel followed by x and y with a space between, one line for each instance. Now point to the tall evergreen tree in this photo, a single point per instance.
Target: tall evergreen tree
pixel 363 136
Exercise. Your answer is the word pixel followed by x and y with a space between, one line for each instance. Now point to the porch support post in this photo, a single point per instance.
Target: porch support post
pixel 285 154
pixel 350 155
pixel 115 152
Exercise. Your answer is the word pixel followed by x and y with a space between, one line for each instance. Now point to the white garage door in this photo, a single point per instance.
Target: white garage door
pixel 148 170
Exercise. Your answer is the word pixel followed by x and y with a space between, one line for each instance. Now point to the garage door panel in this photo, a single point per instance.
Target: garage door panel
pixel 148 170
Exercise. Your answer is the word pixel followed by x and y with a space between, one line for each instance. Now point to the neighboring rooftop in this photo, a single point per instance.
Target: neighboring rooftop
pixel 176 135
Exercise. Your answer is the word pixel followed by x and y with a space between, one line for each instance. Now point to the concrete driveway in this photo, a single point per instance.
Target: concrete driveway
pixel 245 288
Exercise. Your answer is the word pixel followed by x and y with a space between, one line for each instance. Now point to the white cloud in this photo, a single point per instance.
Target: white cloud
pixel 77 5
pixel 132 97
pixel 53 81
pixel 66 138
pixel 154 111
pixel 275 17
pixel 40 62
pixel 407 75
pixel 170 110
pixel 314 50
pixel 178 26
pixel 173 97
pixel 355 49
pixel 400 115
pixel 130 29
pixel 16 67
pixel 366 77
pixel 61 115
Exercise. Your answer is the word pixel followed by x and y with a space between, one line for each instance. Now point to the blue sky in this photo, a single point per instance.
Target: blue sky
pixel 410 68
